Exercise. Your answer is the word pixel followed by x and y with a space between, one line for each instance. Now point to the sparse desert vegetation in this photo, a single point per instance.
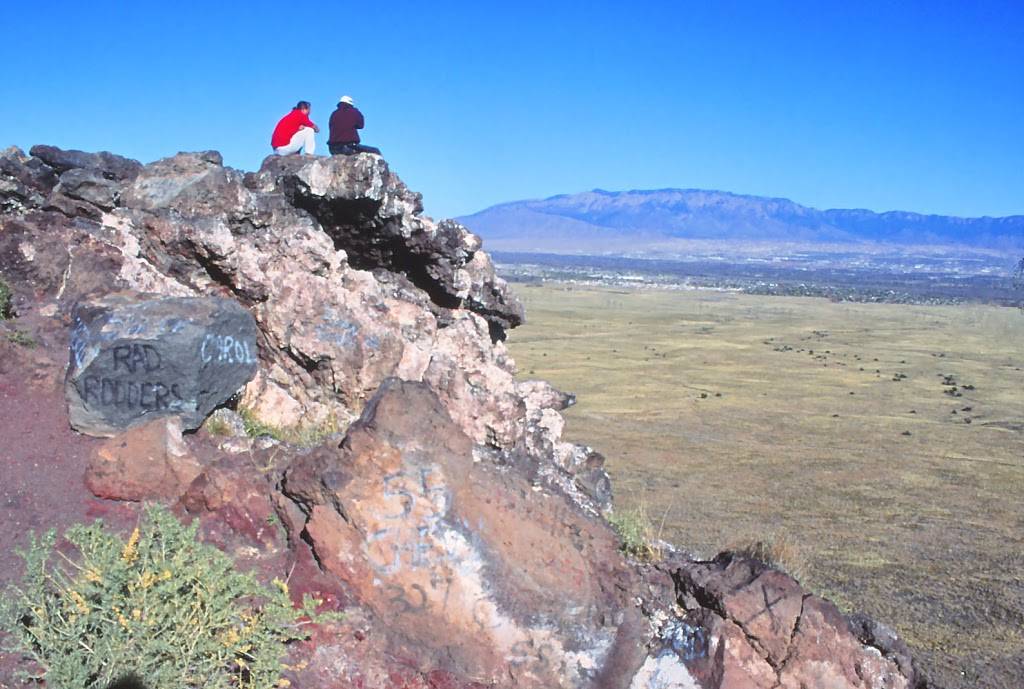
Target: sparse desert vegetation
pixel 306 435
pixel 161 608
pixel 886 440
pixel 6 309
pixel 636 532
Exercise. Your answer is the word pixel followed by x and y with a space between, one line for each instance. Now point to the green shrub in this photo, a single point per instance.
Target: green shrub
pixel 6 307
pixel 634 529
pixel 255 428
pixel 304 435
pixel 21 338
pixel 161 606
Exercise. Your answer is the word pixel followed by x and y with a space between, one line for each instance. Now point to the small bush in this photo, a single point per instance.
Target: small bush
pixel 6 305
pixel 161 606
pixel 21 338
pixel 254 428
pixel 634 529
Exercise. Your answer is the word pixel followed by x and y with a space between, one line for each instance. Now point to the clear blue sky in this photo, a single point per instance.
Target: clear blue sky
pixel 882 105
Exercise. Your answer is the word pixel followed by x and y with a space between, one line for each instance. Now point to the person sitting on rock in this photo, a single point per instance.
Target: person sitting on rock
pixel 344 138
pixel 294 132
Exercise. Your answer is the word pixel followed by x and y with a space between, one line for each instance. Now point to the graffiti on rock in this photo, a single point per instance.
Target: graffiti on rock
pixel 225 349
pixel 132 379
pixel 132 376
pixel 689 641
pixel 343 333
pixel 79 342
pixel 424 562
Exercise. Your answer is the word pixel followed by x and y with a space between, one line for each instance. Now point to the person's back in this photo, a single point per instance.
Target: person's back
pixel 345 123
pixel 294 131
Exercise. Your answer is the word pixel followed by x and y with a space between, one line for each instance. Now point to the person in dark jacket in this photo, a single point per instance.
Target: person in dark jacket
pixel 344 138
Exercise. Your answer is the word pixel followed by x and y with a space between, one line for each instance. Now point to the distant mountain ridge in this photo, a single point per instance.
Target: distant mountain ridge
pixel 606 220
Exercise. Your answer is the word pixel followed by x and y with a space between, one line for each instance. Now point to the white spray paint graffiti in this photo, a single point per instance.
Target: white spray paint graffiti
pixel 424 564
pixel 688 641
pixel 225 349
pixel 79 342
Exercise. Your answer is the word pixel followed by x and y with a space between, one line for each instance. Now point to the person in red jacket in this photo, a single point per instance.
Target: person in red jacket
pixel 294 132
pixel 344 138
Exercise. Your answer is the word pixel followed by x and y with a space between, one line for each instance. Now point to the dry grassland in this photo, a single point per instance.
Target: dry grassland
pixel 886 440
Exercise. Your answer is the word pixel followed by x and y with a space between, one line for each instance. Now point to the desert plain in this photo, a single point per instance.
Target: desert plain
pixel 879 448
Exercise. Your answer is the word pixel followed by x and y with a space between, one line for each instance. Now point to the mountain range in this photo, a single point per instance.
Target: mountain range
pixel 663 219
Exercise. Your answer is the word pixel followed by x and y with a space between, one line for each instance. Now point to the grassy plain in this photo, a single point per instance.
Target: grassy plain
pixel 886 440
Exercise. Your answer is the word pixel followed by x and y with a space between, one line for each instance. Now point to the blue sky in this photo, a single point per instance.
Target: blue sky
pixel 881 105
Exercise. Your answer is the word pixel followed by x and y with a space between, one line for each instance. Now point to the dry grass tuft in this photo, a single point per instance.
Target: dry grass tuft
pixel 303 435
pixel 775 551
pixel 217 427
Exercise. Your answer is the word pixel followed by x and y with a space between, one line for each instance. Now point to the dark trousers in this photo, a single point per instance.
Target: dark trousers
pixel 350 148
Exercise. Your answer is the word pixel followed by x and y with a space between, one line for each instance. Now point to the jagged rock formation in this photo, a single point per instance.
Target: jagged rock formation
pixel 444 513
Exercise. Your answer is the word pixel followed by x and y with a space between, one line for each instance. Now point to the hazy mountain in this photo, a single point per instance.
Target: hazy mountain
pixel 638 220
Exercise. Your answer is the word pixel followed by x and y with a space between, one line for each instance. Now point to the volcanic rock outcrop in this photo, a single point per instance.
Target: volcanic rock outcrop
pixel 434 501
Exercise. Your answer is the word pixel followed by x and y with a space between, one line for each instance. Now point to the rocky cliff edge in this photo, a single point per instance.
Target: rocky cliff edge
pixel 385 455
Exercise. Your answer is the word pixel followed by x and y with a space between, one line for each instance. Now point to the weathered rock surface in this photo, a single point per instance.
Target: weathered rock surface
pixel 368 212
pixel 135 358
pixel 745 624
pixel 107 165
pixel 460 534
pixel 527 589
pixel 146 462
pixel 24 181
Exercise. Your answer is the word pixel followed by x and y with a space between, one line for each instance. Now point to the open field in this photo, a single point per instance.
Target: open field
pixel 886 440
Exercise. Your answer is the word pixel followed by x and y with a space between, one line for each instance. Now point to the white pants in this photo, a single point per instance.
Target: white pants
pixel 302 139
